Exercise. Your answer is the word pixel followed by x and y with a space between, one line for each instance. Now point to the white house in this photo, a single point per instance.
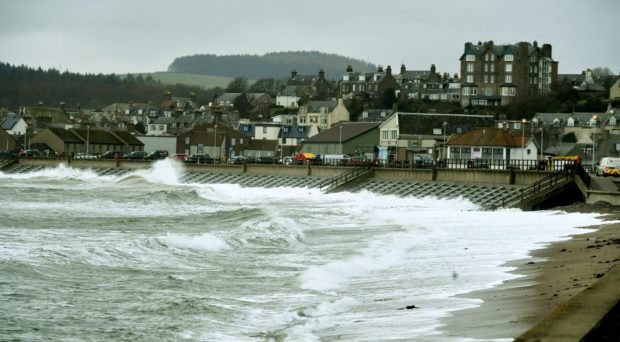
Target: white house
pixel 14 126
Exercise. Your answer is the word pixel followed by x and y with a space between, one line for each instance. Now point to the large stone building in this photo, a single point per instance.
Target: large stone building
pixel 501 74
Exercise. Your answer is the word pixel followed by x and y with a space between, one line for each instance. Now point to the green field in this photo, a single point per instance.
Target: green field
pixel 204 81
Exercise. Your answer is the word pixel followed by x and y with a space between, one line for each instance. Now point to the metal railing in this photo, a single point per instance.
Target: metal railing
pixel 541 186
pixel 346 177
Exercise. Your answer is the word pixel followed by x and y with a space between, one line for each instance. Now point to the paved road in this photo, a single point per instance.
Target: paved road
pixel 608 184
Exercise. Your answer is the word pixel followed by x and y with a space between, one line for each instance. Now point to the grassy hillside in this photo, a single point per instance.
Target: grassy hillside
pixel 203 81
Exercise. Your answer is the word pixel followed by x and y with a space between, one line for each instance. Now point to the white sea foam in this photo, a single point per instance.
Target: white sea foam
pixel 59 172
pixel 165 171
pixel 204 243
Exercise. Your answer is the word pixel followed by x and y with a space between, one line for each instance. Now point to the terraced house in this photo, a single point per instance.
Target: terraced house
pixel 494 75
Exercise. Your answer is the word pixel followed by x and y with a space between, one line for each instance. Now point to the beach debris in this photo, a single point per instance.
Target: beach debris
pixel 409 307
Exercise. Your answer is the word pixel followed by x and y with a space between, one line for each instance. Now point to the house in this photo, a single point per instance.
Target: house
pixel 130 113
pixel 293 136
pixel 7 142
pixel 428 85
pixel 14 125
pixel 263 148
pixel 95 141
pixel 215 139
pixel 324 114
pixel 500 74
pixel 40 117
pixel 491 144
pixel 288 97
pixel 176 106
pixel 288 137
pixel 367 84
pixel 404 134
pixel 352 138
pixel 614 91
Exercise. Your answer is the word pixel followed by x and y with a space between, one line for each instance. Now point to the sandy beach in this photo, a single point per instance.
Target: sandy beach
pixel 550 277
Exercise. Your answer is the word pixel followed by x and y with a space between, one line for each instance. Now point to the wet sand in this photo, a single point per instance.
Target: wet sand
pixel 550 277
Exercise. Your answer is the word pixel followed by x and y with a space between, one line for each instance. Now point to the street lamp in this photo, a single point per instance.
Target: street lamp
pixel 594 117
pixel 340 138
pixel 443 154
pixel 523 122
pixel 214 140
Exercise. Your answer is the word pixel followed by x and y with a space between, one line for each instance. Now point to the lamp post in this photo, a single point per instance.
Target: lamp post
pixel 214 140
pixel 340 138
pixel 523 121
pixel 594 117
pixel 542 136
pixel 443 153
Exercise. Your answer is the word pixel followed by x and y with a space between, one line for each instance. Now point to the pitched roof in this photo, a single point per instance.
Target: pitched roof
pixel 8 123
pixel 315 106
pixel 424 123
pixel 262 144
pixel 349 130
pixel 484 137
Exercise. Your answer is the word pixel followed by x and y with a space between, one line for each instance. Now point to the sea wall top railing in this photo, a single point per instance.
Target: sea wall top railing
pixel 346 177
pixel 539 187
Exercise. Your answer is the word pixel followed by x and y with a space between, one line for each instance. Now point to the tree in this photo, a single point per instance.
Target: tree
pixel 242 104
pixel 387 98
pixel 265 85
pixel 140 127
pixel 238 85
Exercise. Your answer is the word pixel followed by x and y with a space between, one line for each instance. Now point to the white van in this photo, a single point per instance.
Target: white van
pixel 336 159
pixel 609 166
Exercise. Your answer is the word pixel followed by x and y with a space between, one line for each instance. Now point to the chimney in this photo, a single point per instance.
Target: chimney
pixel 321 74
pixel 433 69
pixel 388 70
pixel 168 95
pixel 547 50
pixel 380 69
pixel 349 68
pixel 293 73
pixel 402 69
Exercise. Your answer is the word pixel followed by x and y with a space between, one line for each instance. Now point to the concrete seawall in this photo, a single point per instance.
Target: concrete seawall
pixel 483 176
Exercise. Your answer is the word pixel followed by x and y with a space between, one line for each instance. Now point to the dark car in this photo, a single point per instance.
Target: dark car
pixel 478 164
pixel 137 155
pixel 422 161
pixel 113 155
pixel 238 160
pixel 6 154
pixel 157 155
pixel 199 159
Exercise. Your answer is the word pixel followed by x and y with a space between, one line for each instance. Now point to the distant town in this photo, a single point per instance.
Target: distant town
pixel 508 103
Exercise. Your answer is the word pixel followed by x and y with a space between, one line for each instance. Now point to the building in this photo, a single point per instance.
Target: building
pixel 94 141
pixel 495 145
pixel 494 75
pixel 7 142
pixel 324 114
pixel 351 138
pixel 614 91
pixel 428 85
pixel 217 140
pixel 404 134
pixel 366 84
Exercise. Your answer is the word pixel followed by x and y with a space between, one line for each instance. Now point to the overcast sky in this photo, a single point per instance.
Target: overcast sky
pixel 123 36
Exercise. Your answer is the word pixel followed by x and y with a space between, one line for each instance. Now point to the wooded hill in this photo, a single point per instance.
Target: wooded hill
pixel 271 65
pixel 26 86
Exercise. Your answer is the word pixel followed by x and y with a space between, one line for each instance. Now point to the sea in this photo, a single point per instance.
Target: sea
pixel 147 257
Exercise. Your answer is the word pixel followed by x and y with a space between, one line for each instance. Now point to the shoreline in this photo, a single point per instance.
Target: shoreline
pixel 548 278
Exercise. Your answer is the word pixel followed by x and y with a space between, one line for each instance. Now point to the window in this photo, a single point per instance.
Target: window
pixel 486 78
pixel 570 122
pixel 470 58
pixel 285 129
pixel 612 121
pixel 264 129
pixel 486 67
pixel 470 78
pixel 492 78
pixel 508 91
pixel 508 79
pixel 394 134
pixel 470 67
pixel 246 128
pixel 509 58
pixel 300 129
pixel 492 67
pixel 365 114
pixel 508 67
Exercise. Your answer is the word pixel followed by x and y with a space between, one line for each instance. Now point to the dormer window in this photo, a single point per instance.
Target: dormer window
pixel 470 57
pixel 556 122
pixel 570 122
pixel 383 114
pixel 509 58
pixel 365 114
pixel 612 121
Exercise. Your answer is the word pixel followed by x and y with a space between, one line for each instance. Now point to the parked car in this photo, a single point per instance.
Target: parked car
pixel 238 160
pixel 6 154
pixel 477 164
pixel 137 155
pixel 178 157
pixel 30 153
pixel 84 155
pixel 157 155
pixel 113 155
pixel 422 160
pixel 199 159
pixel 288 160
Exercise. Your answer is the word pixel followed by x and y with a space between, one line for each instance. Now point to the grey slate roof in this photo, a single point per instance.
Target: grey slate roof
pixel 8 123
pixel 349 130
pixel 424 123
pixel 315 106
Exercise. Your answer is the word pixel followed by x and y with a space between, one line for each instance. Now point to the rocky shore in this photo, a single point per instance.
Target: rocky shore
pixel 549 278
